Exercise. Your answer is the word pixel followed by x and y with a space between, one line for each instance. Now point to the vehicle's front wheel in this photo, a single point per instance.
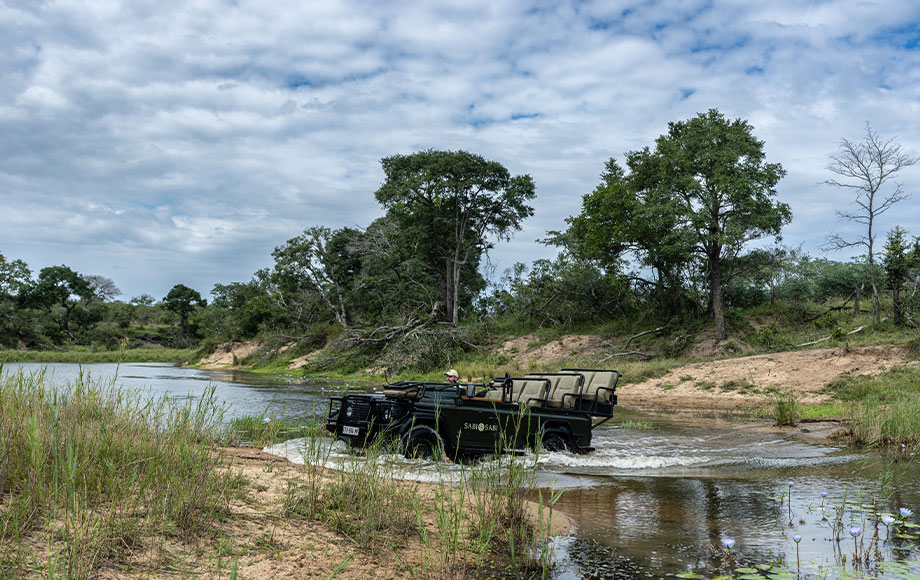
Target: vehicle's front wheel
pixel 423 442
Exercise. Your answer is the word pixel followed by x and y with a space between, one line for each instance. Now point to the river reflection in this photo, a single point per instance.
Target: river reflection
pixel 659 521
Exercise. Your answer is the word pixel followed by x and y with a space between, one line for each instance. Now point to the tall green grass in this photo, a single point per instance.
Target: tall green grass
pixel 884 409
pixel 476 517
pixel 89 472
pixel 899 423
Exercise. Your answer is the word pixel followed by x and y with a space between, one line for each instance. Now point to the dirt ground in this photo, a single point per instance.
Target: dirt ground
pixel 228 354
pixel 264 544
pixel 581 345
pixel 745 382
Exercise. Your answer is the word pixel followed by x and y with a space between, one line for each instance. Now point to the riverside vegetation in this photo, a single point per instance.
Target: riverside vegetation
pixel 95 479
pixel 657 263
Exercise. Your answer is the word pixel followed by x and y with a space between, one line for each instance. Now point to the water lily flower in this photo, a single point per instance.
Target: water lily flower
pixel 790 483
pixel 796 538
pixel 277 416
pixel 887 520
pixel 266 420
pixel 855 531
pixel 823 494
pixel 906 512
pixel 728 542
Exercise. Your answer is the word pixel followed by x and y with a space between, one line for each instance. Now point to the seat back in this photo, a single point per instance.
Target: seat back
pixel 495 390
pixel 531 390
pixel 560 384
pixel 603 380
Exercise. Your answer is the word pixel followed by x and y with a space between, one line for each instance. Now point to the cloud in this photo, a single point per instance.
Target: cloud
pixel 168 142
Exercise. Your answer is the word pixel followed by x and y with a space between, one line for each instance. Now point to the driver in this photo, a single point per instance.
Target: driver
pixel 452 377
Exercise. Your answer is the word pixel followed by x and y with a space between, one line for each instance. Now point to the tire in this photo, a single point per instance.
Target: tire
pixel 555 441
pixel 423 442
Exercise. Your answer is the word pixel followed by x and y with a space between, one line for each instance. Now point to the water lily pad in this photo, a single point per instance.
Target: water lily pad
pixel 723 577
pixel 911 525
pixel 690 575
pixel 763 566
pixel 750 577
pixel 781 576
pixel 746 570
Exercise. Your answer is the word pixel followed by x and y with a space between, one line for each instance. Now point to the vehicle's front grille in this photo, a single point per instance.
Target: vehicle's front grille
pixel 360 410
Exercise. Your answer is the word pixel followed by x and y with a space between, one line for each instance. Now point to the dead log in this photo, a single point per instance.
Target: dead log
pixel 826 338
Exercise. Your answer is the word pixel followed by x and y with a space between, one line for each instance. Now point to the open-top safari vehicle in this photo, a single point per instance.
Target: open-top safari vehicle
pixel 556 411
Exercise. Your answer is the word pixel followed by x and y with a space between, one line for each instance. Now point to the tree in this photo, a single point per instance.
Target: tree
pixel 865 168
pixel 454 202
pixel 317 257
pixel 103 289
pixel 14 276
pixel 708 180
pixel 57 286
pixel 183 300
pixel 615 220
pixel 900 261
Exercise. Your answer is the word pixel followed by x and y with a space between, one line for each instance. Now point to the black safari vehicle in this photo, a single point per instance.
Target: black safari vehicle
pixel 557 410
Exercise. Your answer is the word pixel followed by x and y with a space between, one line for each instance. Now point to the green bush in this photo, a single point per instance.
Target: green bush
pixel 786 408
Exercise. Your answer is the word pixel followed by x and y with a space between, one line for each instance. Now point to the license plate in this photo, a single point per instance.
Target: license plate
pixel 349 430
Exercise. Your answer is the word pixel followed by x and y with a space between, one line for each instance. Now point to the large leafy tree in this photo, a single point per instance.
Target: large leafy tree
pixel 58 290
pixel 14 276
pixel 614 220
pixel 454 203
pixel 319 259
pixel 183 301
pixel 709 177
pixel 687 206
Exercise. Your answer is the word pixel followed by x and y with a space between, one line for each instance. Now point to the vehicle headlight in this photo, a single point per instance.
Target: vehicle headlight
pixel 348 412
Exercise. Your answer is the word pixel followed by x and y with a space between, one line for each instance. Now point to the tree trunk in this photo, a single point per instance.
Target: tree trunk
pixel 858 293
pixel 455 307
pixel 876 307
pixel 896 299
pixel 715 292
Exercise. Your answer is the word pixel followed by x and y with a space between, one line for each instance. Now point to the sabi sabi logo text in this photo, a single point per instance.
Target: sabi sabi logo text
pixel 480 427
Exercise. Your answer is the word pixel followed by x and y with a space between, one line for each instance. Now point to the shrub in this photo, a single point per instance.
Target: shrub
pixel 786 408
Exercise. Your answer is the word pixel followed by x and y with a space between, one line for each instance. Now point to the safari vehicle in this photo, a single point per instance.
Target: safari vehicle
pixel 557 411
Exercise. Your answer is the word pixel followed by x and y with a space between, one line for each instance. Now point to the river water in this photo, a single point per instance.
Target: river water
pixel 650 504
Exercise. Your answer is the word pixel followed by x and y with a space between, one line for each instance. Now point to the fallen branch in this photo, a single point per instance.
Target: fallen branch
pixel 635 336
pixel 812 316
pixel 826 338
pixel 642 355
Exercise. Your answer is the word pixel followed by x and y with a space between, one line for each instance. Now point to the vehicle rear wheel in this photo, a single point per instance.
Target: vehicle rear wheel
pixel 555 441
pixel 423 442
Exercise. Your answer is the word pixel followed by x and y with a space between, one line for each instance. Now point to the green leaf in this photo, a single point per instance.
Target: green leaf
pixel 690 575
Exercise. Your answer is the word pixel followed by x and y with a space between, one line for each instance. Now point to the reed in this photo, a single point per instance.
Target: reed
pixel 88 471
pixel 895 424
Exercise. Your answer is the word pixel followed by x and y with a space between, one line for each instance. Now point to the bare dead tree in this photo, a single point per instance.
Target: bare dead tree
pixel 865 167
pixel 103 289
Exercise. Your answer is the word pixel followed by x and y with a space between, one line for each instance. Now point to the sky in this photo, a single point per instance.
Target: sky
pixel 164 142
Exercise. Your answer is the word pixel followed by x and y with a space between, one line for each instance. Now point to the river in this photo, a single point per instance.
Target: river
pixel 656 503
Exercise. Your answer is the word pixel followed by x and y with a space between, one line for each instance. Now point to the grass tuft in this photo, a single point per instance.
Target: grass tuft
pixel 785 408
